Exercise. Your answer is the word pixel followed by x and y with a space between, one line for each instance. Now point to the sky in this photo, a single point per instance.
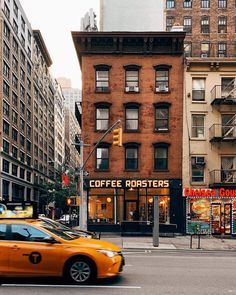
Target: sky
pixel 56 19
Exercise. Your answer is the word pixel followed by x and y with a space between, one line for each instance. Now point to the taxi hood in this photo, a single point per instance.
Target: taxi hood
pixel 96 244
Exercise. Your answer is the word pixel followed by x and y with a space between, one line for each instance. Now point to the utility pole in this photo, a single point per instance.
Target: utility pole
pixel 156 222
pixel 83 197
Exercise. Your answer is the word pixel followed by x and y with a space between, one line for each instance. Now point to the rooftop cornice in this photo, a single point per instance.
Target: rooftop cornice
pixel 42 46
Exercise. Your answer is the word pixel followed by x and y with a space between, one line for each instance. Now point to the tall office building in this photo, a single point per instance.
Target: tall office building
pixel 132 15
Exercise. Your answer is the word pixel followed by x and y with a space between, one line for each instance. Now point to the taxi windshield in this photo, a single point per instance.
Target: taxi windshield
pixel 60 233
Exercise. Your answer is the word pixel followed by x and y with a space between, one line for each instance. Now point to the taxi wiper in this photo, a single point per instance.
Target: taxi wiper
pixel 29 234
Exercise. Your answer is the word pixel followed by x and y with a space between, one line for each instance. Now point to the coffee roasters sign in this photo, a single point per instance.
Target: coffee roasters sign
pixel 128 183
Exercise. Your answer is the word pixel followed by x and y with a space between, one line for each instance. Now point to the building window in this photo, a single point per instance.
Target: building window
pixel 197 165
pixel 102 116
pixel 132 78
pixel 28 160
pixel 205 3
pixel 161 117
pixel 15 64
pixel 170 4
pixel 169 23
pixel 6 31
pixel 15 9
pixel 188 49
pixel 6 51
pixel 6 89
pixel 14 134
pixel 14 152
pixel 198 91
pixel 6 11
pixel 131 156
pixel 222 24
pixel 198 126
pixel 6 70
pixel 22 141
pixel 6 128
pixel 5 109
pixel 5 166
pixel 132 116
pixel 5 190
pixel 28 146
pixel 22 24
pixel 162 78
pixel 14 170
pixel 188 24
pixel 161 156
pixel 5 146
pixel 205 25
pixel 205 49
pixel 14 118
pixel 15 45
pixel 222 50
pixel 222 3
pixel 14 82
pixel 28 176
pixel 102 77
pixel 227 86
pixel 187 3
pixel 102 157
pixel 22 173
pixel 14 99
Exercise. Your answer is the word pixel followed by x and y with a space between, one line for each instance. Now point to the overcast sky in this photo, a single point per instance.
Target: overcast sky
pixel 56 19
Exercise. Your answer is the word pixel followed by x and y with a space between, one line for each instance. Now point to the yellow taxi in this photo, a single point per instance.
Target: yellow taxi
pixel 30 250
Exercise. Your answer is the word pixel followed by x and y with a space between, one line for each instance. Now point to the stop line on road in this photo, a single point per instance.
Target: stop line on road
pixel 69 286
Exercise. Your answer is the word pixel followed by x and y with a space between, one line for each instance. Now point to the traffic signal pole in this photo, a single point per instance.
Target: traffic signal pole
pixel 83 198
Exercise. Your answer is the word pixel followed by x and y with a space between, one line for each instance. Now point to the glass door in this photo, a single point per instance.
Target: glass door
pixel 131 212
pixel 227 218
pixel 216 219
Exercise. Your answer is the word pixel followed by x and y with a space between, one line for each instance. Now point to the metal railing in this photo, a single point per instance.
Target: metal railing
pixel 223 176
pixel 223 94
pixel 219 132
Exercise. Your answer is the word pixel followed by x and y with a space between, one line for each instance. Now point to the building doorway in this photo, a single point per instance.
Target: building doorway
pixel 131 211
pixel 221 218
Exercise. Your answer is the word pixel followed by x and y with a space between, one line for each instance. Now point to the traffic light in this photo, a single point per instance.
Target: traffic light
pixel 117 136
pixel 71 201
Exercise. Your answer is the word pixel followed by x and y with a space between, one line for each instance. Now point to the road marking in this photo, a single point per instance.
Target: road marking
pixel 128 265
pixel 70 286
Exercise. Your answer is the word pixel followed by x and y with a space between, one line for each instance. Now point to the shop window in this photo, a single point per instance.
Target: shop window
pixel 102 77
pixel 198 166
pixel 102 116
pixel 131 156
pixel 161 156
pixel 187 24
pixel 101 209
pixel 162 78
pixel 102 157
pixel 222 24
pixel 132 78
pixel 164 209
pixel 205 25
pixel 198 90
pixel 132 116
pixel 162 117
pixel 198 126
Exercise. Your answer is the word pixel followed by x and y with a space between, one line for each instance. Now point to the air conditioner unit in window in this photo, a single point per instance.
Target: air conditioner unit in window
pixel 204 55
pixel 1 149
pixel 132 89
pixel 200 161
pixel 163 88
pixel 222 55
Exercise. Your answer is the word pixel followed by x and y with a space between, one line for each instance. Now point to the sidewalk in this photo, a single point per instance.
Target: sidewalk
pixel 172 243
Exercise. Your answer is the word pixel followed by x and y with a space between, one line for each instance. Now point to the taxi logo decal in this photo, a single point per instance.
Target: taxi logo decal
pixel 35 257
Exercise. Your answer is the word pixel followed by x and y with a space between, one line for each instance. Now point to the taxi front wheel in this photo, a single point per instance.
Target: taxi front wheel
pixel 80 271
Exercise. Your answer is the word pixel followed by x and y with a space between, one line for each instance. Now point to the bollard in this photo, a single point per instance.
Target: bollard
pixel 191 241
pixel 199 240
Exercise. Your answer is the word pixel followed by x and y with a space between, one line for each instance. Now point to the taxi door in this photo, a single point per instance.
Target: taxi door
pixel 4 250
pixel 30 255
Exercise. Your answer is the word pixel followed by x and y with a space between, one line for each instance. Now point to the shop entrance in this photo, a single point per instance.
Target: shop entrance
pixel 131 211
pixel 221 218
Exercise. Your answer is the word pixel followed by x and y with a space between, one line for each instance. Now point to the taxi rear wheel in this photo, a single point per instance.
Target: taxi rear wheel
pixel 80 271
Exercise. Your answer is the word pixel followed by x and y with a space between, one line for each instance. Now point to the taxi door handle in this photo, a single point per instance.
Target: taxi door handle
pixel 15 247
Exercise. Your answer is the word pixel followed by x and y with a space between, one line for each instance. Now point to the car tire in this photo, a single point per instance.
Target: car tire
pixel 80 270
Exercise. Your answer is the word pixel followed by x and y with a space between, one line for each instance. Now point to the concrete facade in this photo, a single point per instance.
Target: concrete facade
pixel 131 15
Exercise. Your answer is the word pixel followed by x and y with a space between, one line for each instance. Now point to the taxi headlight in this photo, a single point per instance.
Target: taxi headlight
pixel 108 253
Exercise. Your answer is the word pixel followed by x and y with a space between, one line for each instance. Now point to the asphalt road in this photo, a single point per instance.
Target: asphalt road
pixel 149 273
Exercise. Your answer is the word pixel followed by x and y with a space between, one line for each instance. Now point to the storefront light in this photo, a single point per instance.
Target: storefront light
pixel 108 200
pixel 150 200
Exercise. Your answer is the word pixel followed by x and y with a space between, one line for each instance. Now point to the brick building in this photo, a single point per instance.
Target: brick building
pixel 138 78
pixel 209 26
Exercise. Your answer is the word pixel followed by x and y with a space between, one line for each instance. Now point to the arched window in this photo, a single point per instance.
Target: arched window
pixel 162 77
pixel 102 156
pixel 131 116
pixel 162 116
pixel 132 78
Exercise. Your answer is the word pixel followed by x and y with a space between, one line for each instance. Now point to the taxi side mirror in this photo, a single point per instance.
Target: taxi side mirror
pixel 50 240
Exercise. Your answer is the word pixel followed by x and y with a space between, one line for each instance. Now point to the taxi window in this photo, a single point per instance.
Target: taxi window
pixel 3 229
pixel 24 232
pixel 60 233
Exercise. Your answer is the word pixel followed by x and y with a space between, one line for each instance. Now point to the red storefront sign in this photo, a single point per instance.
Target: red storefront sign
pixel 208 193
